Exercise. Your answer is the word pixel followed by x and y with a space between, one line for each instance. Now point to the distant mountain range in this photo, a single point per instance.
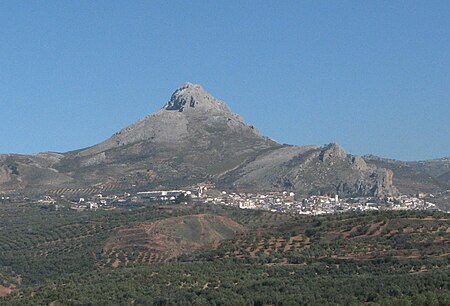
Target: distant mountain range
pixel 196 139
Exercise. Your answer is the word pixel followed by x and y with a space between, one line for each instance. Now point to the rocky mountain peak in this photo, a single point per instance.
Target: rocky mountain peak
pixel 192 98
pixel 331 151
pixel 191 114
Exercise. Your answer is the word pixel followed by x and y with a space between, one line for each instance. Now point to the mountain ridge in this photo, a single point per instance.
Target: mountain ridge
pixel 195 138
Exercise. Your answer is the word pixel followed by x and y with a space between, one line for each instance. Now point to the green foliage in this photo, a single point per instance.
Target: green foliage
pixel 231 283
pixel 395 258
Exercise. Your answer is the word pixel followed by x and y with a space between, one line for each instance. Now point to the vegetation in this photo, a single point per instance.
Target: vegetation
pixel 223 256
pixel 229 282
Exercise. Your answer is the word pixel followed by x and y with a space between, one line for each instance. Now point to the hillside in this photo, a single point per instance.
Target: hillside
pixel 313 170
pixel 168 239
pixel 434 167
pixel 205 254
pixel 413 177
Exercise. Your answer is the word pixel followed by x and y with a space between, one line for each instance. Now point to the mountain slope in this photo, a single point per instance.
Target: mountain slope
pixel 192 138
pixel 413 177
pixel 195 138
pixel 314 170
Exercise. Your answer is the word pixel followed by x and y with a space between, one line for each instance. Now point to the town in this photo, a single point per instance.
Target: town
pixel 274 201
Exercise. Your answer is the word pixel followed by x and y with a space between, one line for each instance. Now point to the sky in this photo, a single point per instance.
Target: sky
pixel 373 76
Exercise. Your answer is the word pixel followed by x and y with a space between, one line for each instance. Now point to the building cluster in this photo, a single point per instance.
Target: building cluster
pixel 100 201
pixel 284 202
pixel 273 201
pixel 405 202
pixel 95 202
pixel 317 205
pixel 325 205
pixel 162 195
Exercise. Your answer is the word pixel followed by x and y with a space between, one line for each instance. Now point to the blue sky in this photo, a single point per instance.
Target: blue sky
pixel 373 76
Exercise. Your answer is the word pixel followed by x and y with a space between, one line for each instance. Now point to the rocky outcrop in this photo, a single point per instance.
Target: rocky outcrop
pixel 382 182
pixel 313 170
pixel 5 174
pixel 332 151
pixel 414 177
pixel 192 98
pixel 359 163
pixel 94 160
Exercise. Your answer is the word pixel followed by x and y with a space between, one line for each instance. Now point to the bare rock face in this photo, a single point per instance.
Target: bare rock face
pixel 359 163
pixel 5 174
pixel 332 151
pixel 94 160
pixel 383 184
pixel 192 98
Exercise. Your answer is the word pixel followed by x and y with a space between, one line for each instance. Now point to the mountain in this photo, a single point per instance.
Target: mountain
pixel 438 168
pixel 195 138
pixel 431 176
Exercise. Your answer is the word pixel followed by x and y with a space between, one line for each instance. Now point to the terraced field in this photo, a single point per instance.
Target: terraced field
pixel 39 243
pixel 358 237
pixel 167 239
